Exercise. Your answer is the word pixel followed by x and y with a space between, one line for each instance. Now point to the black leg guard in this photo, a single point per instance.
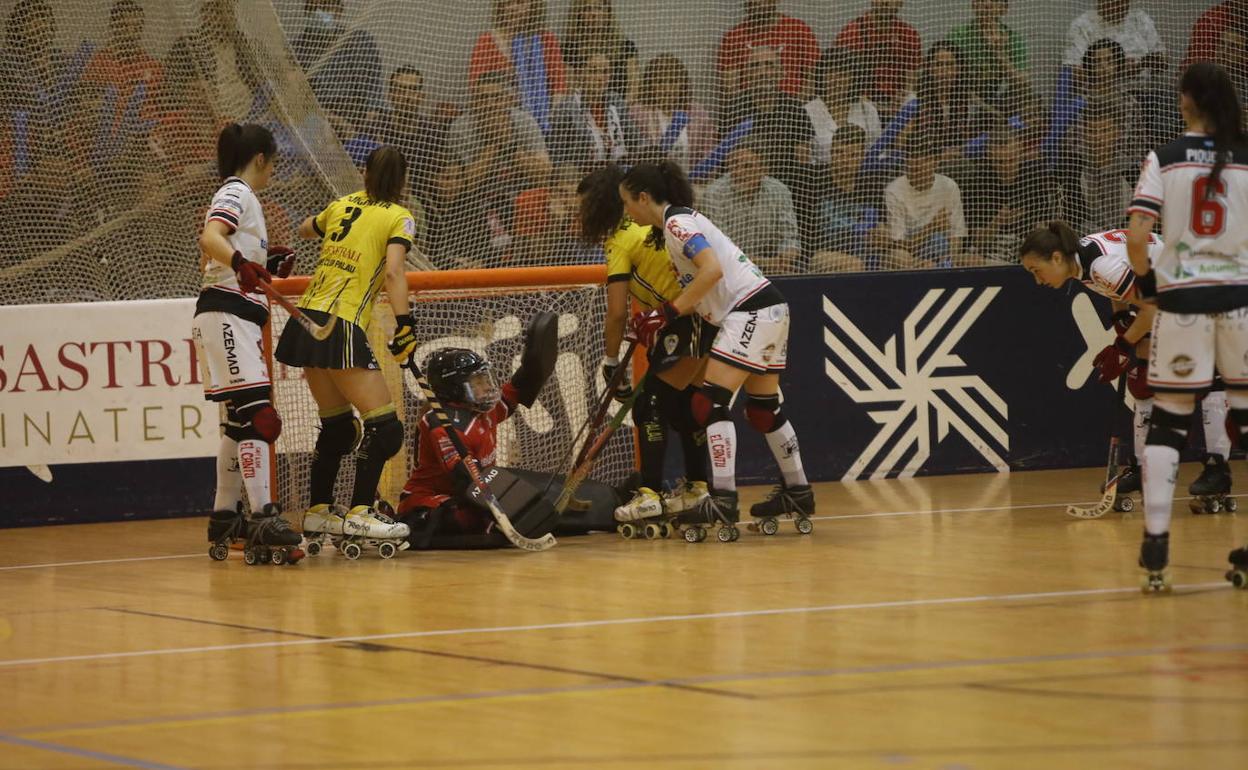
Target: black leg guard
pixel 651 435
pixel 1155 552
pixel 340 433
pixel 1165 428
pixel 383 438
pixel 692 438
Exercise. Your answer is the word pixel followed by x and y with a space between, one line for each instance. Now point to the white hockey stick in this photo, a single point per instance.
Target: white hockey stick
pixel 1112 474
pixel 439 417
pixel 317 331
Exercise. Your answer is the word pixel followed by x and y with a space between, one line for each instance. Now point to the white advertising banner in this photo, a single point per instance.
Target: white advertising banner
pixel 102 382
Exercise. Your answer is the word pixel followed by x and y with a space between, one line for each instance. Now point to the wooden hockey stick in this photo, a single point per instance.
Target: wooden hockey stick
pixel 594 421
pixel 1112 474
pixel 585 460
pixel 439 418
pixel 317 331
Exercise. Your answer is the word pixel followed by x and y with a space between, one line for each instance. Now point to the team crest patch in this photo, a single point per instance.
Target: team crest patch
pixel 679 232
pixel 670 342
pixel 1182 366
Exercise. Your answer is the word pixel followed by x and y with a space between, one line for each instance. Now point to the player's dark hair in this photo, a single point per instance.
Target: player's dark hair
pixel 385 174
pixel 600 208
pixel 1054 236
pixel 664 182
pixel 237 145
pixel 1115 49
pixel 1213 94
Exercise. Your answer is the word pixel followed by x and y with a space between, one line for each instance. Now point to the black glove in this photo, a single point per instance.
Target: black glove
pixel 404 340
pixel 623 389
pixel 281 261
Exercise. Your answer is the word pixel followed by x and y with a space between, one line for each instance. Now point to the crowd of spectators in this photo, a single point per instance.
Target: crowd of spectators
pixel 882 150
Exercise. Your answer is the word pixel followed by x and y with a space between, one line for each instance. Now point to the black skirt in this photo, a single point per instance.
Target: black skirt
pixel 345 348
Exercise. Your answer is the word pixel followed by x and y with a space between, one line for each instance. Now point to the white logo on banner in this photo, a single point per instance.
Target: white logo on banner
pixel 912 391
pixel 1095 339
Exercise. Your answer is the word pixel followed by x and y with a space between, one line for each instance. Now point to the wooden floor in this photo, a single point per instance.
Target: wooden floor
pixel 957 623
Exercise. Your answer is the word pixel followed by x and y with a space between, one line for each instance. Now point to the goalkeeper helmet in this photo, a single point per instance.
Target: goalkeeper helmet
pixel 460 376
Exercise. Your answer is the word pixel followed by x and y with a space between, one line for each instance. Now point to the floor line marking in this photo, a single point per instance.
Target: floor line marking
pixel 100 561
pixel 955 600
pixel 86 753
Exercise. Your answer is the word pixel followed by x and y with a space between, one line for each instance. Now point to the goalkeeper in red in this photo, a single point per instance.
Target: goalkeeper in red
pixel 230 314
pixel 720 283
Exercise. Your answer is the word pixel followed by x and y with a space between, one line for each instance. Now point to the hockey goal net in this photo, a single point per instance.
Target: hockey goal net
pixel 485 311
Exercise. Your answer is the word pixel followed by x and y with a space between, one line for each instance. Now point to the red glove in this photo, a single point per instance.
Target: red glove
pixel 249 273
pixel 646 326
pixel 1137 382
pixel 281 261
pixel 1115 359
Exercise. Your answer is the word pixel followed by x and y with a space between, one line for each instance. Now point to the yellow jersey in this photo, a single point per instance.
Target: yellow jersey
pixel 648 270
pixel 355 231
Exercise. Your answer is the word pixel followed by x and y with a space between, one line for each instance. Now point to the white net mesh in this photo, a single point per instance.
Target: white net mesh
pixel 490 322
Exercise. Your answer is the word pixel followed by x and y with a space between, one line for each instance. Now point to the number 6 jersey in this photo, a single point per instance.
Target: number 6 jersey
pixel 1204 265
pixel 355 231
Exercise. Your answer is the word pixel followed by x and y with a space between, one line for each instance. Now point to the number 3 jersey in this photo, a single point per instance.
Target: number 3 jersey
pixel 355 231
pixel 1106 269
pixel 686 232
pixel 236 207
pixel 1204 265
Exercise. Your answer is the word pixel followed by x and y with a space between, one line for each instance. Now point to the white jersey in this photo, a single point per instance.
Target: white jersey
pixel 236 206
pixel 1106 269
pixel 686 232
pixel 1204 265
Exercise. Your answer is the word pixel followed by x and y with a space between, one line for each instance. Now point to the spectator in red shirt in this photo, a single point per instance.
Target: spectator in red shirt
pixel 123 64
pixel 521 48
pixel 891 47
pixel 1207 32
pixel 765 26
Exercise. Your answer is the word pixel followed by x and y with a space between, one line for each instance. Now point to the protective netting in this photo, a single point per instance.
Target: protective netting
pixel 812 128
pixel 490 322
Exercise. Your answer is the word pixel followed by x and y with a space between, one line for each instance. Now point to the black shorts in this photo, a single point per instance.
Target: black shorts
pixel 687 337
pixel 345 348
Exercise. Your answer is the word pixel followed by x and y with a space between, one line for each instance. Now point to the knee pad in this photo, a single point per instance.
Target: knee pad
pixel 1166 428
pixel 649 419
pixel 763 413
pixel 382 439
pixel 260 421
pixel 1236 424
pixel 234 424
pixel 710 404
pixel 340 434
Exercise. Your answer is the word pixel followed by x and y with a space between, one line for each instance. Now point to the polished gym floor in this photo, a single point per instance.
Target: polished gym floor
pixel 950 623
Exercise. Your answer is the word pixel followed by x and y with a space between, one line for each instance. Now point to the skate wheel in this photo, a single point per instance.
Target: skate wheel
pixel 652 531
pixel 628 530
pixel 1196 507
pixel 1215 505
pixel 804 525
pixel 724 534
pixel 251 556
pixel 691 535
pixel 313 547
pixel 736 534
pixel 352 551
pixel 1124 505
pixel 665 530
pixel 769 527
pixel 278 557
pixel 218 551
pixel 387 550
pixel 1230 505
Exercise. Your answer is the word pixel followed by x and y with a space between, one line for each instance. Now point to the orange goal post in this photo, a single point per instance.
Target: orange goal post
pixel 485 310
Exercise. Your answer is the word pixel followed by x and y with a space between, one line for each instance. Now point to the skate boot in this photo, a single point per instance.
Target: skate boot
pixel 322 524
pixel 797 503
pixel 717 508
pixel 685 497
pixel 270 540
pixel 1130 480
pixel 1155 559
pixel 645 504
pixel 224 528
pixel 1212 488
pixel 363 526
pixel 1238 573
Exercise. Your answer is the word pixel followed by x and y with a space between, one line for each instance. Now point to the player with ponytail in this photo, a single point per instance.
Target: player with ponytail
pixel 230 315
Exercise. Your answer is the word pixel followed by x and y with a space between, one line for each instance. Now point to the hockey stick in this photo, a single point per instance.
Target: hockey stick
pixel 1106 503
pixel 593 422
pixel 317 331
pixel 591 450
pixel 439 418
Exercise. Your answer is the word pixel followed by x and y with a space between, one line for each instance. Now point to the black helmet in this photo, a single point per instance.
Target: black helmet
pixel 460 376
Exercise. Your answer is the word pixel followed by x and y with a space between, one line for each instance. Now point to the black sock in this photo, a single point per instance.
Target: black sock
pixel 651 437
pixel 383 437
pixel 692 438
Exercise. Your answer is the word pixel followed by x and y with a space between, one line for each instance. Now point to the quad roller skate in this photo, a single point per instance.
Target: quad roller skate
pixel 1155 559
pixel 1212 488
pixel 352 531
pixel 267 537
pixel 797 503
pixel 717 508
pixel 1238 573
pixel 644 515
pixel 1130 480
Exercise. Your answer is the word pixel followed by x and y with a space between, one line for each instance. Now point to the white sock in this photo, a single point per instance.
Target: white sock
pixel 1161 468
pixel 721 446
pixel 783 443
pixel 1143 410
pixel 253 463
pixel 229 483
pixel 1213 411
